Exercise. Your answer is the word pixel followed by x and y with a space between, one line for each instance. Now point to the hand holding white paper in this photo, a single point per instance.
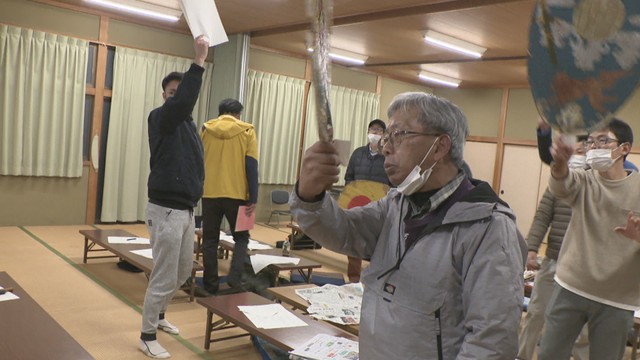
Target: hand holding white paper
pixel 203 19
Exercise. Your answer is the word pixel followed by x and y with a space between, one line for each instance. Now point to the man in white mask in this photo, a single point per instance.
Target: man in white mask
pixel 445 277
pixel 598 271
pixel 366 163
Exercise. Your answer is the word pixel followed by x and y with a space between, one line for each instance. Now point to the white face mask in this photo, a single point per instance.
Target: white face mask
pixel 374 138
pixel 600 159
pixel 577 161
pixel 414 181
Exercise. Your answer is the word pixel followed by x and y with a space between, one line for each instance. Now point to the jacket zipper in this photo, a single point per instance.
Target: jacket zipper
pixel 439 334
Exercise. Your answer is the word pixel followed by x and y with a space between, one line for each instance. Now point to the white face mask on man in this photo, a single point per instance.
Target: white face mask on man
pixel 374 138
pixel 600 159
pixel 414 181
pixel 577 161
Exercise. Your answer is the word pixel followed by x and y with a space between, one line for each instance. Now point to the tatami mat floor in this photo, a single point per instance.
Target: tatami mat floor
pixel 100 305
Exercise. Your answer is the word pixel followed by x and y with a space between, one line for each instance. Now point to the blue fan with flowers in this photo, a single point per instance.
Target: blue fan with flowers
pixel 584 60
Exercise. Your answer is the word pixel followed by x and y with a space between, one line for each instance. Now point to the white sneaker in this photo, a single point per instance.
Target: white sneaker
pixel 167 327
pixel 153 349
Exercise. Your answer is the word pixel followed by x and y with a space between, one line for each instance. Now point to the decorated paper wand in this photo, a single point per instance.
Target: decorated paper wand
pixel 320 12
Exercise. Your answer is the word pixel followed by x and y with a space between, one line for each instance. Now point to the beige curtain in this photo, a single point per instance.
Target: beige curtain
pixel 42 91
pixel 137 89
pixel 351 111
pixel 274 106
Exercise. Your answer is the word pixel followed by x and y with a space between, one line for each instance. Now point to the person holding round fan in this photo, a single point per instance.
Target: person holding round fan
pixel 598 271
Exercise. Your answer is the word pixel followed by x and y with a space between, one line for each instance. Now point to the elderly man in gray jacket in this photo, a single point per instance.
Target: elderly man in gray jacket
pixel 445 278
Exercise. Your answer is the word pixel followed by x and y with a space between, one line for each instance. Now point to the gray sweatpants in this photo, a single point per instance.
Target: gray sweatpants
pixel 566 315
pixel 172 235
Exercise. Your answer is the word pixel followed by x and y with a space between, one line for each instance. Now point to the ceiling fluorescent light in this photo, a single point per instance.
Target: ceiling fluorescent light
pixel 439 79
pixel 453 44
pixel 345 56
pixel 141 8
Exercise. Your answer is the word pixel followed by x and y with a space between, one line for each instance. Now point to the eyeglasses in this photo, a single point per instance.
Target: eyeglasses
pixel 395 137
pixel 599 142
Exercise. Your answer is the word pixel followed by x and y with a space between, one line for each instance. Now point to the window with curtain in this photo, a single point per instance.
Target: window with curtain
pixel 42 103
pixel 351 111
pixel 137 89
pixel 274 106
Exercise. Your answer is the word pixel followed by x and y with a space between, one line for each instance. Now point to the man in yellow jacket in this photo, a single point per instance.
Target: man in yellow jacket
pixel 231 181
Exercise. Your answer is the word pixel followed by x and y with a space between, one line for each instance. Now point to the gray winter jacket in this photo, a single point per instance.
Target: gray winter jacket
pixel 551 212
pixel 456 293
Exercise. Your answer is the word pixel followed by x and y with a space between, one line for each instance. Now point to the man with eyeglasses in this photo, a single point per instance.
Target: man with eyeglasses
pixel 544 136
pixel 445 280
pixel 598 271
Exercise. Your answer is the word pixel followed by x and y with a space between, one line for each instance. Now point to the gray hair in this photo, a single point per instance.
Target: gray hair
pixel 435 113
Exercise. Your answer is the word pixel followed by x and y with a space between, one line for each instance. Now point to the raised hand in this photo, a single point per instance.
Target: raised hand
pixel 561 152
pixel 201 46
pixel 632 227
pixel 319 170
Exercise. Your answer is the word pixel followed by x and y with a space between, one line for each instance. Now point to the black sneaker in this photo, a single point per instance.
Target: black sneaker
pixel 200 292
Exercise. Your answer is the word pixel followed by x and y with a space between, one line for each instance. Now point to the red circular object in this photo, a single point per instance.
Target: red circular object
pixel 359 200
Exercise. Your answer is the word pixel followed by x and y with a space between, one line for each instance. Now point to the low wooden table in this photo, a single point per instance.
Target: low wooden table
pixel 226 307
pixel 287 295
pixel 304 267
pixel 29 332
pixel 100 238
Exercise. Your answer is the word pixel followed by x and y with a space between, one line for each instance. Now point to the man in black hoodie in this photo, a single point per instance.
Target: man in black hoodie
pixel 174 188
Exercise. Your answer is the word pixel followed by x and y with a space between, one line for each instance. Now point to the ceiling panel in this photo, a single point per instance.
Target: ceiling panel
pixel 390 33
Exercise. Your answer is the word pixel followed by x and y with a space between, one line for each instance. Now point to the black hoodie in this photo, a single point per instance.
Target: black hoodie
pixel 177 161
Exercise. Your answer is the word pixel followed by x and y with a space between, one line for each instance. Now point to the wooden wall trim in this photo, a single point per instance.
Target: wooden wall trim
pixel 96 123
pixel 484 139
pixel 497 170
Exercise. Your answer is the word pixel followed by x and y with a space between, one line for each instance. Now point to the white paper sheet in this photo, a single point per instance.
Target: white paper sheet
pixel 203 19
pixel 128 240
pixel 272 316
pixel 143 252
pixel 8 296
pixel 637 314
pixel 260 261
pixel 323 346
pixel 253 244
pixel 339 304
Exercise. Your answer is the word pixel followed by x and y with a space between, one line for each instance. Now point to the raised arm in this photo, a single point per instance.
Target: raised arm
pixel 178 108
pixel 561 152
pixel 543 133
